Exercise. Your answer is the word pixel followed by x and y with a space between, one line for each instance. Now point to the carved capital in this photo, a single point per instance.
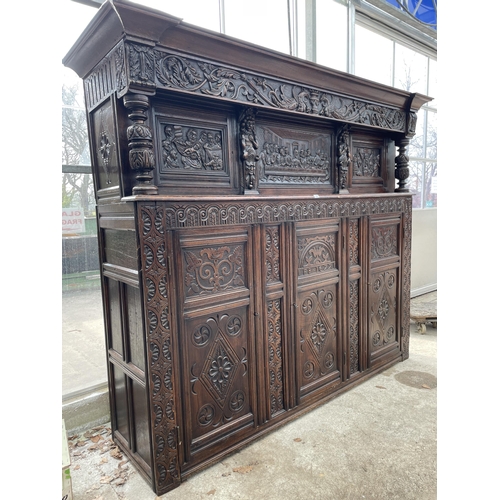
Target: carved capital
pixel 140 144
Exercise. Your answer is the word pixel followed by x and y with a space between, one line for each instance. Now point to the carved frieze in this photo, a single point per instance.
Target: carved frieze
pixel 201 214
pixel 177 72
pixel 150 68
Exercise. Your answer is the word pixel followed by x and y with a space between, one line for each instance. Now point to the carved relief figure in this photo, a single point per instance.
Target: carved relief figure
pixel 192 148
pixel 366 162
pixel 249 147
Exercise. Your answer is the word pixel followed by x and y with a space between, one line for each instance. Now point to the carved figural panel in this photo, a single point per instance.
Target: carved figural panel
pixel 194 150
pixel 105 146
pixel 291 156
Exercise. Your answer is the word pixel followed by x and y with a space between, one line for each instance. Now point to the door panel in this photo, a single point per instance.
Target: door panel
pixel 317 307
pixel 217 345
pixel 384 288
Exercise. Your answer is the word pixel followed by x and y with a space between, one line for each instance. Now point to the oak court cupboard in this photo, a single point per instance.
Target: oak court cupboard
pixel 254 233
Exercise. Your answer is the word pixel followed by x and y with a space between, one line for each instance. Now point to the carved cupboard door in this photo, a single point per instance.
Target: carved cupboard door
pixel 218 379
pixel 317 307
pixel 384 289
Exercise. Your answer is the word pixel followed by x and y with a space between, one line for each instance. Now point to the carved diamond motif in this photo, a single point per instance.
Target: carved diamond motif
pixel 319 333
pixel 219 370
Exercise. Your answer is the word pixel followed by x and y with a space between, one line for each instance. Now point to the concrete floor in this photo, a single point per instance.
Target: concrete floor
pixel 376 441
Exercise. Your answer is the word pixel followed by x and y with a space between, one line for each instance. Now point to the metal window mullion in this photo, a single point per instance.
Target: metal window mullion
pixel 351 39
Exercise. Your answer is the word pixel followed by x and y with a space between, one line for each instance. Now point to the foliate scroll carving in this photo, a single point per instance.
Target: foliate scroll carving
pixel 289 156
pixel 344 157
pixel 191 148
pixel 353 326
pixel 384 242
pixel 210 79
pixel 402 166
pixel 140 137
pixel 141 61
pixel 353 242
pixel 249 146
pixel 212 270
pixel 366 162
pixel 274 333
pixel 202 214
pixel 272 255
pixel 159 355
pixel 316 254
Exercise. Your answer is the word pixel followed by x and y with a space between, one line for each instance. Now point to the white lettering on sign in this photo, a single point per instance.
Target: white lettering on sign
pixel 73 221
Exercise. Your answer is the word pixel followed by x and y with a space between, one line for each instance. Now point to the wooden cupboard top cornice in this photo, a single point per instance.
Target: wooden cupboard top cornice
pixel 132 33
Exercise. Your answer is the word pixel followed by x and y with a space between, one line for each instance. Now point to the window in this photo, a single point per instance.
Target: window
pixel 388 60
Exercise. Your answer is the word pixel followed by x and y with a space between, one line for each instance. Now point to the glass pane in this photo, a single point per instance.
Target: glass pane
pixel 373 56
pixel 416 148
pixel 430 188
pixel 331 34
pixel 410 72
pixel 433 90
pixel 204 13
pixel 247 22
pixel 415 182
pixel 431 151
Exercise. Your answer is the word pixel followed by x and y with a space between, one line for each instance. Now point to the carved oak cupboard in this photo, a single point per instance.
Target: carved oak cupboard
pixel 254 243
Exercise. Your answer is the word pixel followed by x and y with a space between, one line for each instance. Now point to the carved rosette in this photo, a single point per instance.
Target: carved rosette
pixel 140 144
pixel 249 147
pixel 344 157
pixel 159 349
pixel 402 166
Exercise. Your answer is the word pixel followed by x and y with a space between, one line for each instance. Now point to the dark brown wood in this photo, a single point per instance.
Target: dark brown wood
pixel 254 244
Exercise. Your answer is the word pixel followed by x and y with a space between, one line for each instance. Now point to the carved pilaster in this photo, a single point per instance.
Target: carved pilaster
pixel 140 144
pixel 343 158
pixel 249 147
pixel 402 166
